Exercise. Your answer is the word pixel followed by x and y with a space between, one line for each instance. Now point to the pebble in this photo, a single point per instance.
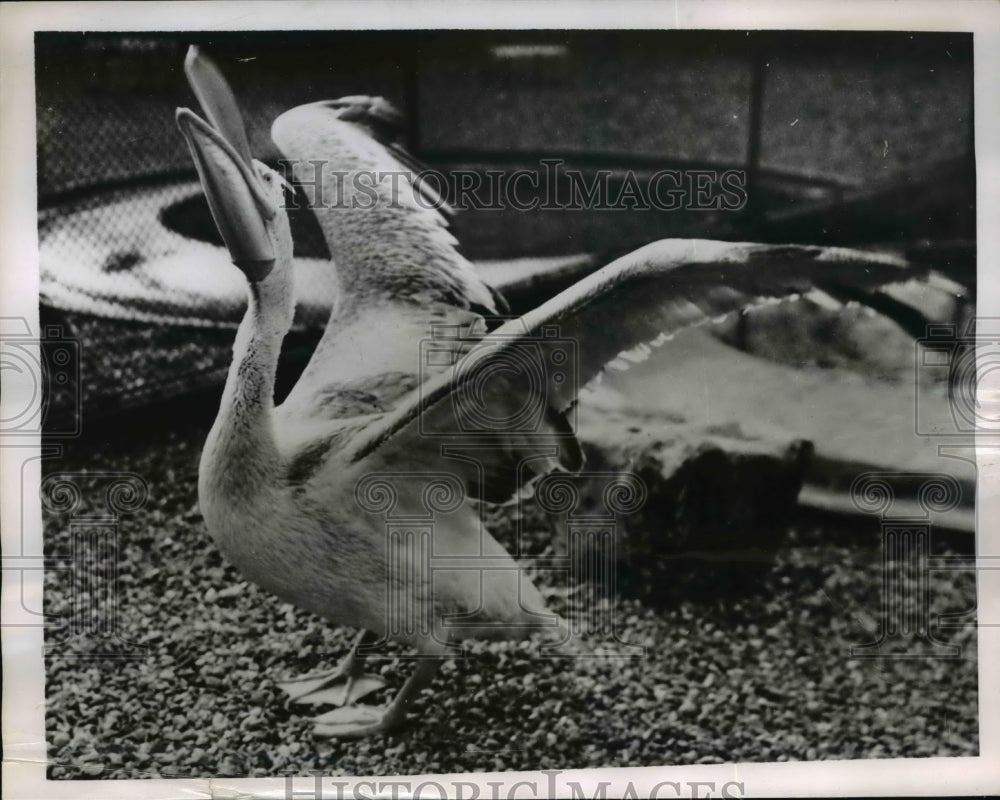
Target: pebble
pixel 721 686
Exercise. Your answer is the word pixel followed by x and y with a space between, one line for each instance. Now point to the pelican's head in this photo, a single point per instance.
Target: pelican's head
pixel 245 196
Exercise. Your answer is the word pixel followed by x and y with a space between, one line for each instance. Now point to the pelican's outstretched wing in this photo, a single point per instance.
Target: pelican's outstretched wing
pixel 617 312
pixel 397 264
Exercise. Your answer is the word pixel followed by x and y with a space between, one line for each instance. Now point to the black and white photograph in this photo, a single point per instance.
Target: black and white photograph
pixel 518 403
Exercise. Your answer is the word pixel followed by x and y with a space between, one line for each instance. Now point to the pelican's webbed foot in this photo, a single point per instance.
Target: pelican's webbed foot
pixel 338 687
pixel 342 686
pixel 354 722
pixel 357 721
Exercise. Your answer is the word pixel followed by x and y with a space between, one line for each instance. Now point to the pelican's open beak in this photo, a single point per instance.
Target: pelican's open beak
pixel 236 196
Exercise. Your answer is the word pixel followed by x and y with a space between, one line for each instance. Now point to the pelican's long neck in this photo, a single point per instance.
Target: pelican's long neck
pixel 241 462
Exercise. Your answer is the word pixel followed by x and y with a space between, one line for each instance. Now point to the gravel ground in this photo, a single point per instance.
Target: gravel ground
pixel 758 672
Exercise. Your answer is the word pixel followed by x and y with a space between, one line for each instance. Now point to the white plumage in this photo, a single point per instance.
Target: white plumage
pixel 279 486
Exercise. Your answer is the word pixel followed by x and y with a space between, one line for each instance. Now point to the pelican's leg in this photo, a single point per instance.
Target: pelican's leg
pixel 357 721
pixel 343 685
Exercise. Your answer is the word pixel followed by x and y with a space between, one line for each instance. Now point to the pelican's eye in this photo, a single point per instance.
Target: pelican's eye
pixel 285 188
pixel 271 186
pixel 272 178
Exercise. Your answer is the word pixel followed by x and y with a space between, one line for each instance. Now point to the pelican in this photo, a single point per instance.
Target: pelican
pixel 278 486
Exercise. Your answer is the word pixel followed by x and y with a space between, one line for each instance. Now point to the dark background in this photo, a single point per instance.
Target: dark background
pixel 845 109
pixel 845 138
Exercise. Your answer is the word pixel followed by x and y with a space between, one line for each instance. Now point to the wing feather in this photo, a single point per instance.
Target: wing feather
pixel 640 299
pixel 398 270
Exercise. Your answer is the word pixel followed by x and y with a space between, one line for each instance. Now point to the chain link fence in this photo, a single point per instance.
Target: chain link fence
pixel 131 263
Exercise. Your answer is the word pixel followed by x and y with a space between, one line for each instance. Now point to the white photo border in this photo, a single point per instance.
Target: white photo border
pixel 24 773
